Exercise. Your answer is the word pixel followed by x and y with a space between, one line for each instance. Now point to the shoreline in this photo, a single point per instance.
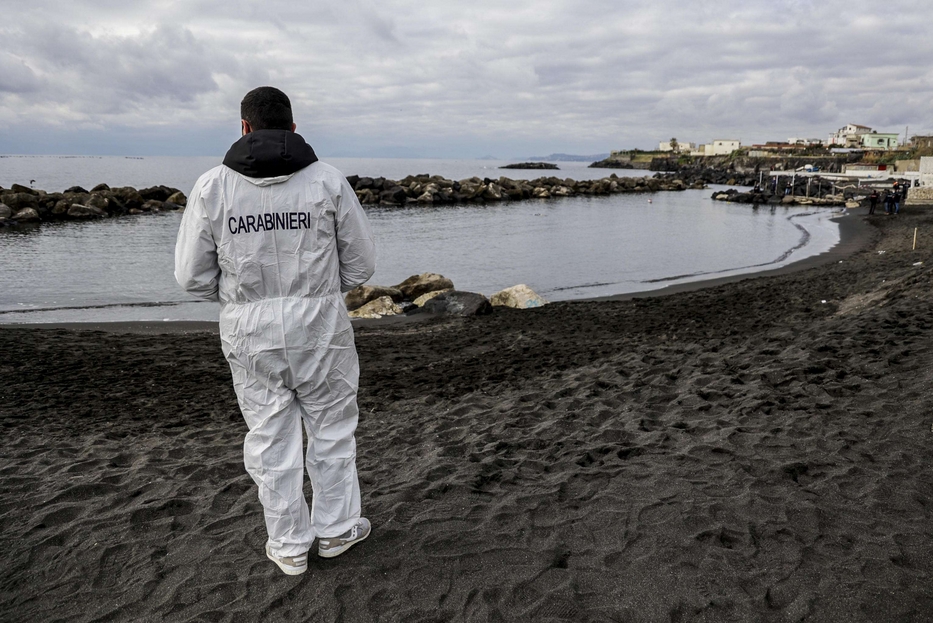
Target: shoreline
pixel 855 233
pixel 758 450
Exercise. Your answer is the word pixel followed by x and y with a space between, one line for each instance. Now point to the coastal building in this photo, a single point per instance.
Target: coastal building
pixel 921 142
pixel 805 142
pixel 926 172
pixel 680 147
pixel 721 147
pixel 878 140
pixel 848 135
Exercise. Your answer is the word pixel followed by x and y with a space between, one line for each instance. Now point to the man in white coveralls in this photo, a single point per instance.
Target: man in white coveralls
pixel 276 237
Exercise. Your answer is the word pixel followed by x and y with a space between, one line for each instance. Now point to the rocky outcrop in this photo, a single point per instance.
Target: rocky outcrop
pixel 5 211
pixel 518 297
pixel 531 165
pixel 382 306
pixel 416 285
pixel 77 203
pixel 361 295
pixel 457 303
pixel 612 163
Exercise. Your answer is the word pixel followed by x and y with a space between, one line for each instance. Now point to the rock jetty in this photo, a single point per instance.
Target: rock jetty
pixel 434 189
pixel 758 198
pixel 21 204
pixel 531 165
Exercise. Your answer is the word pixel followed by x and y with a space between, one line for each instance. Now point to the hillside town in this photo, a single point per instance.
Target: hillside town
pixel 855 154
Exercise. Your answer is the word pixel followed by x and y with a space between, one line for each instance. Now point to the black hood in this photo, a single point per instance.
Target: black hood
pixel 269 153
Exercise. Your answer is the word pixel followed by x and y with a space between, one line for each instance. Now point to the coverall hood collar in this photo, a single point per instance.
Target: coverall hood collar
pixel 276 154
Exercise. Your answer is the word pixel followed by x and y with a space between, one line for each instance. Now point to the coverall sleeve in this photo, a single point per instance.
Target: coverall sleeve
pixel 196 267
pixel 356 249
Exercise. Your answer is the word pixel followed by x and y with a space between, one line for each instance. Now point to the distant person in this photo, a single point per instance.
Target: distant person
pixel 774 182
pixel 873 201
pixel 896 197
pixel 788 188
pixel 888 201
pixel 277 236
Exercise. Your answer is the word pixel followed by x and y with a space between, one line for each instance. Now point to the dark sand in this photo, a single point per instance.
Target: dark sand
pixel 744 452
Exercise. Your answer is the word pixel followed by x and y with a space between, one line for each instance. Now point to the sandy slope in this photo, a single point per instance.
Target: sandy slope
pixel 744 452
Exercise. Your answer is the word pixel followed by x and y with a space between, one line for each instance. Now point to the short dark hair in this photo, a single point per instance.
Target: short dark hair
pixel 267 108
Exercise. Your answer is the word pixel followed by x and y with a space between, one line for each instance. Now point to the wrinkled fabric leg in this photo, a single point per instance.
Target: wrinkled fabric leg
pixel 328 402
pixel 273 455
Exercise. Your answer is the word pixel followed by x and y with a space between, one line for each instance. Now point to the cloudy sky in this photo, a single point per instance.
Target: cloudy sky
pixel 459 79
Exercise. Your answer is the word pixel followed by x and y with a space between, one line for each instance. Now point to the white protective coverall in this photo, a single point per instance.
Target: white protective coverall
pixel 276 237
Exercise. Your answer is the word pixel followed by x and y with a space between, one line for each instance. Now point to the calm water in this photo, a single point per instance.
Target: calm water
pixel 121 269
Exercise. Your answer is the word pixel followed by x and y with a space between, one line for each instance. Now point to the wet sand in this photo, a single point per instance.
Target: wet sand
pixel 740 452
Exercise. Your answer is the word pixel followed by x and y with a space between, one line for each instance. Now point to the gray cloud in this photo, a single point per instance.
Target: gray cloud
pixel 464 79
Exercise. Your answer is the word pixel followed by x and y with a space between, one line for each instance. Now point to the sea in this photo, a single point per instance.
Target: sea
pixel 121 269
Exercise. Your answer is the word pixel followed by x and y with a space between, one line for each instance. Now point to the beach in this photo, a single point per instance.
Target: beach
pixel 753 449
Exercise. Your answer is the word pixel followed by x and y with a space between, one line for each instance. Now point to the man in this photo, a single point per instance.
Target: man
pixel 873 201
pixel 276 237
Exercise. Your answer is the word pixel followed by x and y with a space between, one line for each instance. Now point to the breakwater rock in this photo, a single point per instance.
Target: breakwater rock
pixel 434 189
pixel 434 294
pixel 531 165
pixel 759 198
pixel 21 204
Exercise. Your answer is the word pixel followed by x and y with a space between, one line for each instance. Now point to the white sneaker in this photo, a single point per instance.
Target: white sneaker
pixel 290 565
pixel 334 546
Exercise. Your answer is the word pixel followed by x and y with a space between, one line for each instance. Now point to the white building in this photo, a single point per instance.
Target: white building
pixel 926 171
pixel 681 147
pixel 806 142
pixel 848 135
pixel 721 147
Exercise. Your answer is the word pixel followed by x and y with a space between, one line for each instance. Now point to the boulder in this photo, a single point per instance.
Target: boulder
pixel 416 285
pixel 457 303
pixel 540 192
pixel 382 306
pixel 493 192
pixel 76 189
pixel 178 199
pixel 80 211
pixel 519 297
pixel 19 188
pixel 128 196
pixel 100 187
pixel 157 193
pixel 61 207
pixel 20 201
pixel 361 295
pixel 27 215
pixel 424 298
pixel 153 205
pixel 5 211
pixel 98 201
pixel 394 196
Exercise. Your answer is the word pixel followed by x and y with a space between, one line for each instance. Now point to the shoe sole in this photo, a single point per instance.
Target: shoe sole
pixel 286 569
pixel 331 553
